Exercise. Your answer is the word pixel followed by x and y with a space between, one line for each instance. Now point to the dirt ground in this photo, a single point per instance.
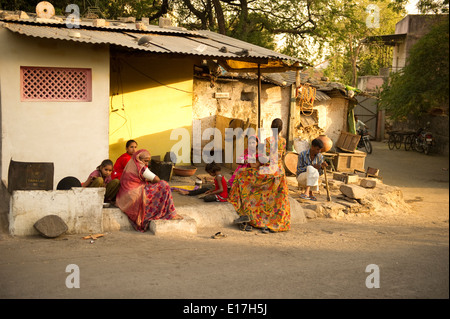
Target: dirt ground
pixel 322 259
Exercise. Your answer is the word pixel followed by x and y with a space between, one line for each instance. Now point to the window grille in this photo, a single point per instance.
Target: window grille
pixel 55 84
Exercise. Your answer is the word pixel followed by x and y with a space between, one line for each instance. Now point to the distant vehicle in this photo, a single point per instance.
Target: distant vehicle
pixel 423 141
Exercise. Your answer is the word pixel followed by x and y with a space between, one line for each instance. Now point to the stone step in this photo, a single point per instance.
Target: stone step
pixel 174 226
pixel 200 215
pixel 115 220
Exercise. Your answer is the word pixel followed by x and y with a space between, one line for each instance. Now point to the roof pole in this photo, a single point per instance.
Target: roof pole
pixel 259 95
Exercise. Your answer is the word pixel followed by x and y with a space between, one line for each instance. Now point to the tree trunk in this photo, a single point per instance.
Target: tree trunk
pixel 219 16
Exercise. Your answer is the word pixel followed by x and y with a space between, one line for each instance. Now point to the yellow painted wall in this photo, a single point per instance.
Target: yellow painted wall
pixel 149 97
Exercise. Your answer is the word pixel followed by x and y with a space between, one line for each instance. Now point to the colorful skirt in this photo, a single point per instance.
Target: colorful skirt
pixel 262 197
pixel 158 204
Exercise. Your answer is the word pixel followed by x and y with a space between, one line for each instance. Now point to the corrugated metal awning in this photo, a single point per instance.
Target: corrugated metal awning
pixel 233 55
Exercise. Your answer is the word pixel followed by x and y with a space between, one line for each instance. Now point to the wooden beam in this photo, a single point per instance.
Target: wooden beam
pixel 259 96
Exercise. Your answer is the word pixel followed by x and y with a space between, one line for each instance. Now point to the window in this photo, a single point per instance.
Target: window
pixel 55 84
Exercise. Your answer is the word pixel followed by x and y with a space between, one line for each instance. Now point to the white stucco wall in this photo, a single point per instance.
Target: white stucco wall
pixel 72 135
pixel 332 117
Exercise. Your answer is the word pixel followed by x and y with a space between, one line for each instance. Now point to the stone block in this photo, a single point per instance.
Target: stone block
pixel 114 220
pixel 353 191
pixel 368 183
pixel 51 226
pixel 209 214
pixel 164 22
pixel 174 226
pixel 99 23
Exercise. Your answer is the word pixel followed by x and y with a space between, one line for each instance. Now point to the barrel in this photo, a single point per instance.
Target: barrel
pixel 290 163
pixel 162 169
pixel 30 176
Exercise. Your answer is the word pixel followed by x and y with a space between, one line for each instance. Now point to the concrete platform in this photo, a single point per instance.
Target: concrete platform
pixel 80 208
pixel 196 214
pixel 83 212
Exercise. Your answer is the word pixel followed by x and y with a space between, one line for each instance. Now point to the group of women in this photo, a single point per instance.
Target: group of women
pixel 258 188
pixel 140 193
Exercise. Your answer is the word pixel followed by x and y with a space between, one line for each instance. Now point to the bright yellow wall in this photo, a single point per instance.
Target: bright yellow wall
pixel 149 97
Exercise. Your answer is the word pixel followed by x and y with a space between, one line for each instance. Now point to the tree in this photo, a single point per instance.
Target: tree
pixel 424 82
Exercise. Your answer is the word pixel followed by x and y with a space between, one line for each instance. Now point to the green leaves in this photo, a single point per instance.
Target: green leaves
pixel 424 81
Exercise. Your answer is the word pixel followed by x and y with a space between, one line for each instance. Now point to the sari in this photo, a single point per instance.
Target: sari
pixel 245 160
pixel 141 200
pixel 262 193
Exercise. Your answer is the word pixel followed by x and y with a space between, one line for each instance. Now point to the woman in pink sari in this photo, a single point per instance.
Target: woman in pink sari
pixel 142 195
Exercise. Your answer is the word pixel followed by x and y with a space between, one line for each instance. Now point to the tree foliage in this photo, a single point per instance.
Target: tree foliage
pixel 312 30
pixel 424 82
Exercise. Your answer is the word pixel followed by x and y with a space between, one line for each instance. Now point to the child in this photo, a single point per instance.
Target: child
pixel 220 191
pixel 101 177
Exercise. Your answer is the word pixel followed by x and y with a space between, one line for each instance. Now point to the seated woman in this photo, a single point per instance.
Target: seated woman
pixel 123 159
pixel 142 195
pixel 260 193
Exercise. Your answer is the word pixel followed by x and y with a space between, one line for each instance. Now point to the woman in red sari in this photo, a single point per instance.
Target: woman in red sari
pixel 142 195
pixel 123 159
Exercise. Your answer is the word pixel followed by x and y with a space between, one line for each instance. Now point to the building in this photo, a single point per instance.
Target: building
pixel 407 32
pixel 73 96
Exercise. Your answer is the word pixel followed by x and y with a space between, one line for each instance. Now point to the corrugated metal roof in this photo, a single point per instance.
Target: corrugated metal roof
pixel 254 50
pixel 199 43
pixel 113 25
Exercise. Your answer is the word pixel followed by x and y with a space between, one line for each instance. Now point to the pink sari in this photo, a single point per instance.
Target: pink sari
pixel 143 201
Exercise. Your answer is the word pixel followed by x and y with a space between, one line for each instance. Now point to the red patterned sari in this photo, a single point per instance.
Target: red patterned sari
pixel 141 200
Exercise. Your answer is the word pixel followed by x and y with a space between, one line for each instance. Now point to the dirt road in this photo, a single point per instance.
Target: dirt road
pixel 324 258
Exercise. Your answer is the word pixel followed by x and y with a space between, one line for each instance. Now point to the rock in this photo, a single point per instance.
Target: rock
pixel 368 183
pixel 297 212
pixel 309 213
pixel 141 26
pixel 50 226
pixel 316 208
pixel 353 191
pixel 127 19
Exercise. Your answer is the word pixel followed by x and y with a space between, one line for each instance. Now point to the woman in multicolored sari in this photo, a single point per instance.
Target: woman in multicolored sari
pixel 142 195
pixel 244 161
pixel 260 193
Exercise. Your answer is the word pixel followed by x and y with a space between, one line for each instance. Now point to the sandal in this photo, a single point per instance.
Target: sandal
pixel 218 235
pixel 265 230
pixel 304 196
pixel 242 219
pixel 245 227
pixel 313 198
